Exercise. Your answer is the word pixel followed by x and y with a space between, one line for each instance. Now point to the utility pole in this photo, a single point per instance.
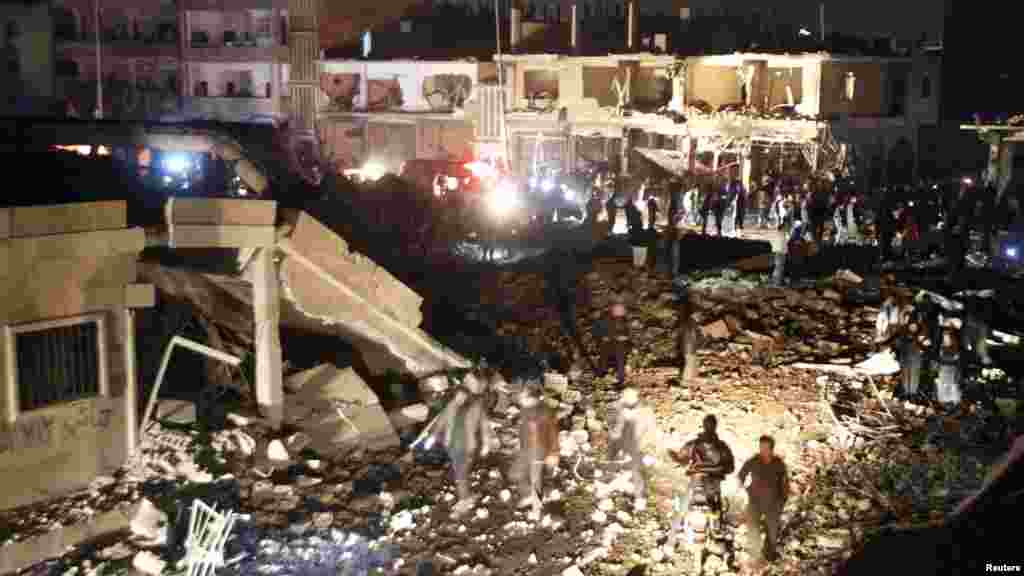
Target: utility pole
pixel 99 63
pixel 501 83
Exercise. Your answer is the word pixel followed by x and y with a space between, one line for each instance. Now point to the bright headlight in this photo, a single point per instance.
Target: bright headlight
pixel 373 171
pixel 503 199
pixel 176 163
pixel 569 195
pixel 547 185
pixel 1011 252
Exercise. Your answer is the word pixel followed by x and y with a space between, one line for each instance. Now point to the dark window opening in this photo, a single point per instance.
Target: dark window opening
pixel 926 87
pixel 57 365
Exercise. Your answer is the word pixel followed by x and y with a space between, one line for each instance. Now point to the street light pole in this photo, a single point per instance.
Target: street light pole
pixel 501 85
pixel 99 63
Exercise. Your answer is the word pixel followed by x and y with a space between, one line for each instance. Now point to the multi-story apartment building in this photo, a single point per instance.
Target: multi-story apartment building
pixel 214 59
pixel 569 97
pixel 27 71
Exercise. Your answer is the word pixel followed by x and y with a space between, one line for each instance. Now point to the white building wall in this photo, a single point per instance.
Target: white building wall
pixel 410 76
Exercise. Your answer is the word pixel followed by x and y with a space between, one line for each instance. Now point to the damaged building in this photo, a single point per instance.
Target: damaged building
pixel 571 97
pixel 69 351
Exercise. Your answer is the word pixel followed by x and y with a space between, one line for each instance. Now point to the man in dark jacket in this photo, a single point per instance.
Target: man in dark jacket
pixel 766 496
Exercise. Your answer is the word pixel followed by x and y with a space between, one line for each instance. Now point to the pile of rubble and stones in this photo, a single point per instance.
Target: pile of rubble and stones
pixel 337 492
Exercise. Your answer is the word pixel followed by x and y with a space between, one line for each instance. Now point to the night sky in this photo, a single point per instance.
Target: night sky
pixel 904 20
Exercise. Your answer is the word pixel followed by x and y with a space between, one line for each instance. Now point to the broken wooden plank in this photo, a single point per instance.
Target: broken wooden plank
pixel 31 221
pixel 223 212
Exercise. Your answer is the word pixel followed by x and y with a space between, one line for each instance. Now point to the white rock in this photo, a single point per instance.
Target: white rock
pixel 246 444
pixel 599 517
pixel 606 505
pixel 148 522
pixel 148 563
pixel 554 496
pixel 482 513
pixel 594 554
pixel 296 442
pixel 276 452
pixel 580 436
pixel 532 559
pixel 572 571
pixel 505 495
pixel 623 516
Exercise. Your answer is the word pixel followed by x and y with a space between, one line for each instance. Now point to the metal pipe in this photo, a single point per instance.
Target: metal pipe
pixel 99 64
pixel 193 346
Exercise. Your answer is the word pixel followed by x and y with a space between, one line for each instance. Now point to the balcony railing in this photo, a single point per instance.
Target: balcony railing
pixel 228 109
pixel 203 39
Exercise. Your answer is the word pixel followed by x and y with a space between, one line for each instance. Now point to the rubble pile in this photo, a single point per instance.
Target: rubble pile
pixel 336 492
pixel 738 314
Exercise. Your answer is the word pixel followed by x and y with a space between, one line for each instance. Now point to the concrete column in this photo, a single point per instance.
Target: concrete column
pixel 275 87
pixel 624 152
pixel 364 87
pixel 267 311
pixel 8 371
pixel 131 391
pixel 746 168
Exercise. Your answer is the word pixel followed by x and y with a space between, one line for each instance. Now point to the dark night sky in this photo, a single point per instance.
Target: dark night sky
pixel 903 19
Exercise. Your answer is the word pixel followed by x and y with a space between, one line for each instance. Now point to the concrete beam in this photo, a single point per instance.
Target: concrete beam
pixel 139 295
pixel 61 288
pixel 329 298
pixel 266 316
pixel 68 218
pixel 223 212
pixel 25 253
pixel 191 236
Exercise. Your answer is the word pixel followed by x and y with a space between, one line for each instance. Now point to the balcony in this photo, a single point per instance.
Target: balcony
pixel 228 109
pixel 246 35
pixel 161 42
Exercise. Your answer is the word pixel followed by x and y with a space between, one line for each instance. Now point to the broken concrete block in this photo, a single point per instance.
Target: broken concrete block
pixel 848 277
pixel 148 563
pixel 276 452
pixel 67 218
pixel 224 212
pixel 555 383
pixel 296 442
pixel 148 523
pixel 409 415
pixel 717 330
pixel 176 411
pixel 329 382
pixel 246 444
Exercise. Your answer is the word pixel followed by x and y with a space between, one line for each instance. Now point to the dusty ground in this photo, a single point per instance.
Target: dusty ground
pixel 854 454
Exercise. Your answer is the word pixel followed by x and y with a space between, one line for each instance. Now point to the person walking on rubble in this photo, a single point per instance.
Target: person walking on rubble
pixel 616 340
pixel 633 423
pixel 467 434
pixel 561 283
pixel 538 448
pixel 686 343
pixel 767 494
pixel 708 460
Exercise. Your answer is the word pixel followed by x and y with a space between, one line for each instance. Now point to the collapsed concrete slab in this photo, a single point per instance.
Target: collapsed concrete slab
pixel 320 393
pixel 325 281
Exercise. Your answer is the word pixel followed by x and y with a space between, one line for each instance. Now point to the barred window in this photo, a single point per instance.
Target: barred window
pixel 58 362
